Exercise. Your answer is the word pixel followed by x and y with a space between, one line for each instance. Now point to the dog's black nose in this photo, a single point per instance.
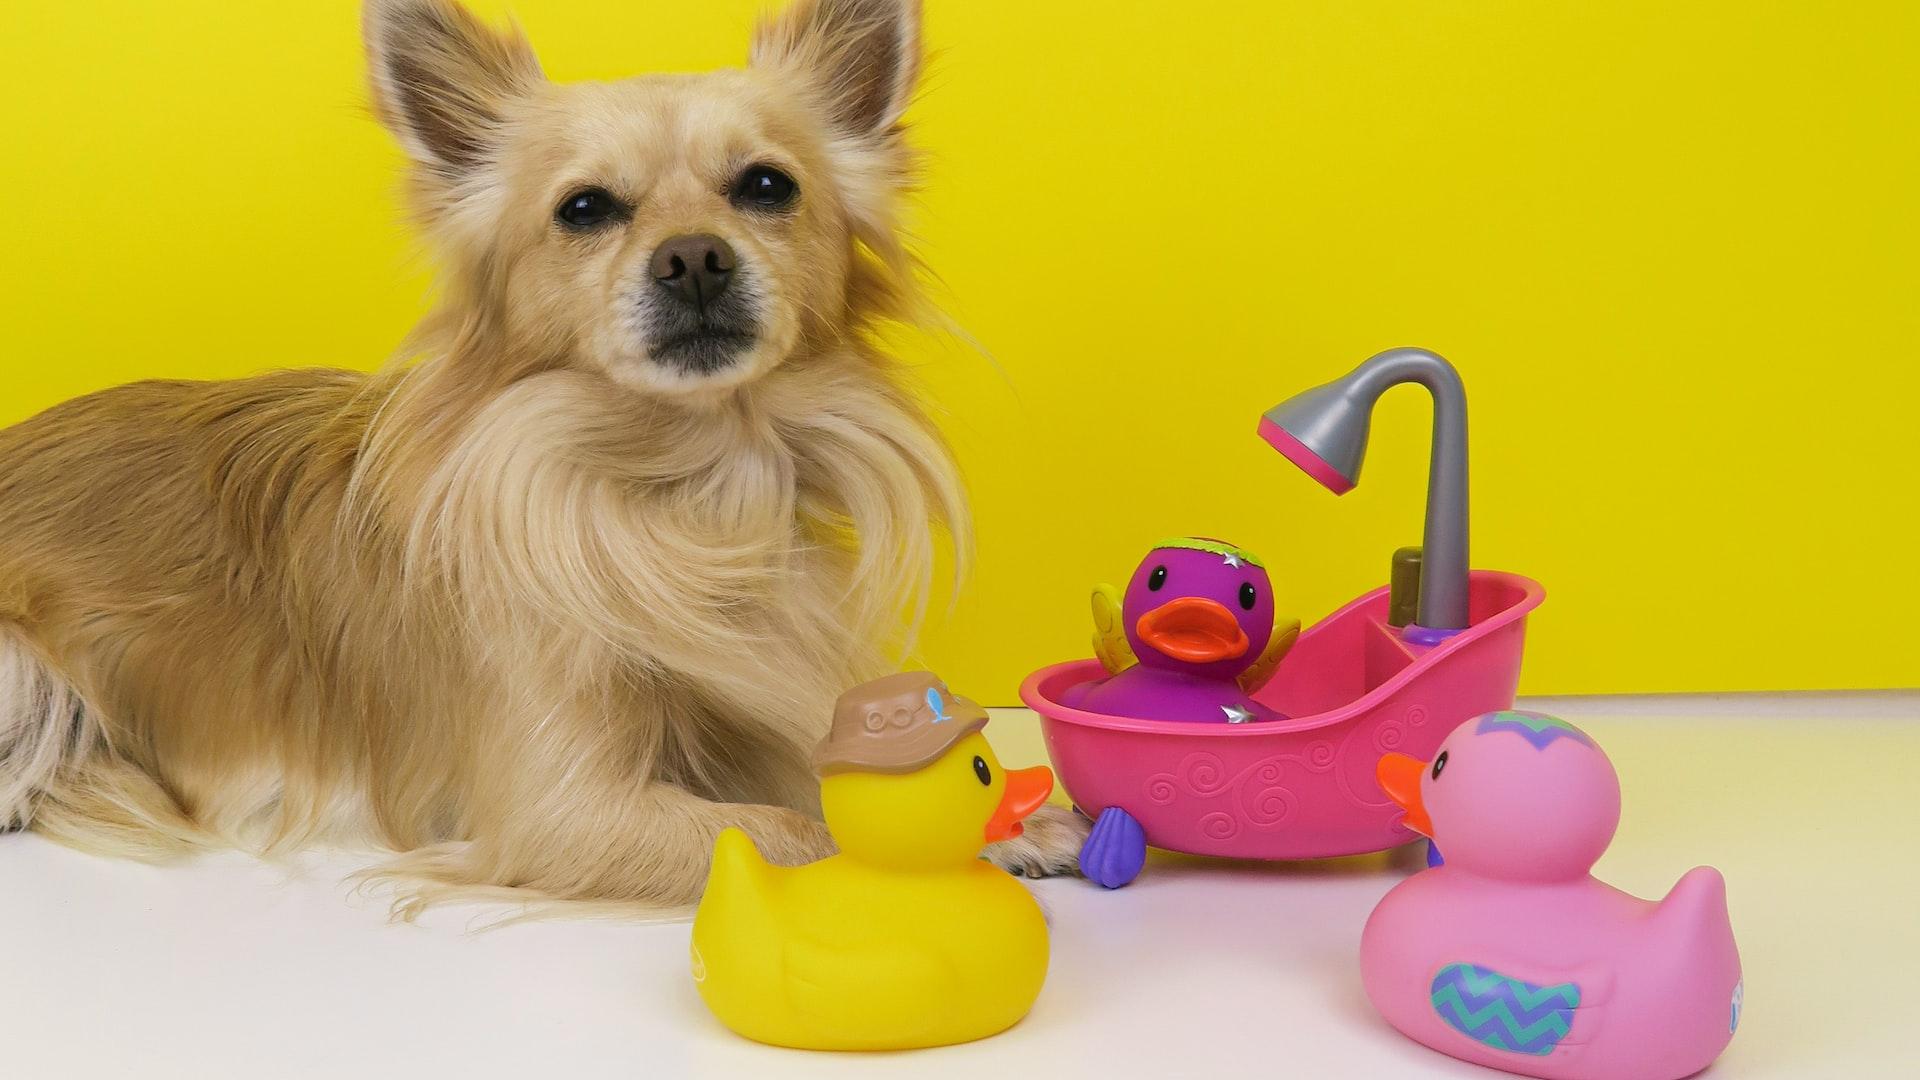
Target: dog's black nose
pixel 695 268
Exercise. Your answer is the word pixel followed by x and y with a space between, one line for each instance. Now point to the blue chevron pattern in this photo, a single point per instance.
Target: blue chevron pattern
pixel 1504 1013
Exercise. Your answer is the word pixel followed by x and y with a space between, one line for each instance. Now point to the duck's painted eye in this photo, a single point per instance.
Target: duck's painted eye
pixel 1438 764
pixel 1247 596
pixel 1156 579
pixel 980 770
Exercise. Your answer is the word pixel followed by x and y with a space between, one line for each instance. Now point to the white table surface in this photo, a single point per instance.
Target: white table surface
pixel 228 968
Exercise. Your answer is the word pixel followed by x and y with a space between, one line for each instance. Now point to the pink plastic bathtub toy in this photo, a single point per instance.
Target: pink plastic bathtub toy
pixel 1358 684
pixel 1512 955
pixel 1301 788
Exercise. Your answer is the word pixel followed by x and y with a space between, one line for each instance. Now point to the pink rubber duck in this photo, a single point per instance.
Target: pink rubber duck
pixel 1511 954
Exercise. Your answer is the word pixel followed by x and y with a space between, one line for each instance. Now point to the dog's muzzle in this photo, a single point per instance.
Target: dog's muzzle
pixel 698 316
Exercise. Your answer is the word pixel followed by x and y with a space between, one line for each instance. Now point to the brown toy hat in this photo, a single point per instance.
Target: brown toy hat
pixel 896 725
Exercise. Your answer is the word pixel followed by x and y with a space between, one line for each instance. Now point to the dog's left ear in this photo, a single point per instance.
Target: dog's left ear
pixel 861 56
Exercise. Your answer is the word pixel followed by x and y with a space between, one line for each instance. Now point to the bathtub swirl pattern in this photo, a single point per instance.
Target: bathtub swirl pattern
pixel 1257 796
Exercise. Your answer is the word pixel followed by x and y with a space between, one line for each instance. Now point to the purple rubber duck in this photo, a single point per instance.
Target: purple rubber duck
pixel 1193 637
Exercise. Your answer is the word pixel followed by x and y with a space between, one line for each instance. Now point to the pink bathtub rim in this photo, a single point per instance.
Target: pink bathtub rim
pixel 1072 672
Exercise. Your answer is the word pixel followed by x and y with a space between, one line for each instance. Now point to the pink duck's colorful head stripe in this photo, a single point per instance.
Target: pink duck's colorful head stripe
pixel 1537 728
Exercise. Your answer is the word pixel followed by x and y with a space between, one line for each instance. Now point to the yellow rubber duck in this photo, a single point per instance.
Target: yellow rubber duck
pixel 906 938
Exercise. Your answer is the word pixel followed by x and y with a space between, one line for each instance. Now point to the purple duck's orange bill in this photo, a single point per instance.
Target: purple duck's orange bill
pixel 1193 629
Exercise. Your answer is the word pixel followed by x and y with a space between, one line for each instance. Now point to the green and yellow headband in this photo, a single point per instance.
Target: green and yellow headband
pixel 1217 547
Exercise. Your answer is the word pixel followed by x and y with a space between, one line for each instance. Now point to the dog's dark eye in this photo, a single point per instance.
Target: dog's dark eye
pixel 589 208
pixel 1156 579
pixel 764 187
pixel 980 770
pixel 1439 763
pixel 1247 596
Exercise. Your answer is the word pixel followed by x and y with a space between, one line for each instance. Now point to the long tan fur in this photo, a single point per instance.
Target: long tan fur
pixel 527 607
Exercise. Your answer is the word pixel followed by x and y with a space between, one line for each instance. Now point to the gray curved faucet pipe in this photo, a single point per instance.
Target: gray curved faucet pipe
pixel 1324 432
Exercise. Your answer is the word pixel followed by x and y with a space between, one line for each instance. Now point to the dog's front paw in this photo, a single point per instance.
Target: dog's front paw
pixel 1049 845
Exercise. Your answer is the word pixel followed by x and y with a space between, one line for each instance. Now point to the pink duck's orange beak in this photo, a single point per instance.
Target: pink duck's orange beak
pixel 1400 779
pixel 1026 790
pixel 1193 629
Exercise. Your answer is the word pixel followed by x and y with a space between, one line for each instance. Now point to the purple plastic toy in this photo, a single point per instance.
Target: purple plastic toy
pixel 1193 637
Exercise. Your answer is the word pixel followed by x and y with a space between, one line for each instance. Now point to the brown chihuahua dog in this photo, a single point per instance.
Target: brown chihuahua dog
pixel 573 586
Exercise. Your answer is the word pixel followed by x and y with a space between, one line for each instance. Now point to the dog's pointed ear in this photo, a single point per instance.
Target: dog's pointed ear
pixel 861 56
pixel 442 79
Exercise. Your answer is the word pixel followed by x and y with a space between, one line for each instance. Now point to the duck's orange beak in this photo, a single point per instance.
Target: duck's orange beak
pixel 1026 790
pixel 1194 629
pixel 1400 779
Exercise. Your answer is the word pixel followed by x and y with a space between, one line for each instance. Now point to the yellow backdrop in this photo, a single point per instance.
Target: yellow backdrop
pixel 1671 247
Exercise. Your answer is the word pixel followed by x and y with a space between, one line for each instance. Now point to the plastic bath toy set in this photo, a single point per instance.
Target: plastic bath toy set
pixel 1386 672
pixel 1209 722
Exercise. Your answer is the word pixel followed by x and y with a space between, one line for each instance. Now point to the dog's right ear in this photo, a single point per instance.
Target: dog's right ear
pixel 442 80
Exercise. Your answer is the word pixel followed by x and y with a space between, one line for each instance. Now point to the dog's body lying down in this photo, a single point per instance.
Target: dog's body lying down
pixel 547 608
